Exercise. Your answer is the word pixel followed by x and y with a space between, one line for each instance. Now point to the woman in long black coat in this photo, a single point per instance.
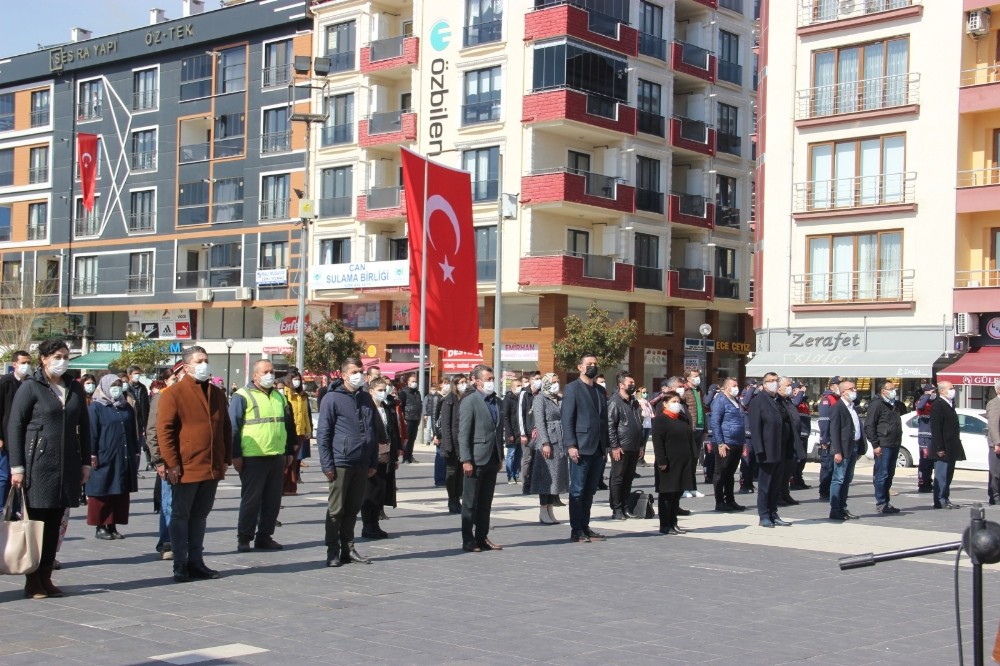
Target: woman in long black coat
pixel 673 443
pixel 448 436
pixel 113 459
pixel 381 490
pixel 49 446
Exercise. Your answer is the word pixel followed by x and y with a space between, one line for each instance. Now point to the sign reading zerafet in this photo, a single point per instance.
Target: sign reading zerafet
pixel 362 275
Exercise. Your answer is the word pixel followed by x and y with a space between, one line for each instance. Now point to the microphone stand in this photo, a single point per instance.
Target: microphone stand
pixel 981 540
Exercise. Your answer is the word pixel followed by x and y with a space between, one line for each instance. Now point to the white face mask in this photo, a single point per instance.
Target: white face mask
pixel 734 391
pixel 379 395
pixel 202 372
pixel 462 387
pixel 296 383
pixel 950 394
pixel 89 388
pixel 536 385
pixel 135 379
pixel 24 369
pixel 554 388
pixel 696 382
pixel 680 391
pixel 488 388
pixel 446 389
pixel 356 380
pixel 267 381
pixel 115 392
pixel 891 396
pixel 787 392
pixel 771 387
pixel 674 407
pixel 413 385
pixel 851 396
pixel 59 367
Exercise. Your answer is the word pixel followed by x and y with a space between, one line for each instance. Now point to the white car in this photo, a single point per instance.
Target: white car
pixel 971 424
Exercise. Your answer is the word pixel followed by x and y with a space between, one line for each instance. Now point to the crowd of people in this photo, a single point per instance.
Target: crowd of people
pixel 65 442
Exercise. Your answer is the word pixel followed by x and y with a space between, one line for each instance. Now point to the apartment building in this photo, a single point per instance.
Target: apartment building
pixel 861 139
pixel 193 232
pixel 618 137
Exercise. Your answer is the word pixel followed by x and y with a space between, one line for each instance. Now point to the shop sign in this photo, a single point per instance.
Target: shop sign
pixel 519 352
pixel 360 316
pixel 734 347
pixel 699 344
pixel 656 357
pixel 272 277
pixel 403 353
pixel 362 275
pixel 460 361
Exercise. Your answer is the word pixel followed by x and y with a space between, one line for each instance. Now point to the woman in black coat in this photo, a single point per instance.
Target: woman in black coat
pixel 673 444
pixel 448 435
pixel 49 441
pixel 381 490
pixel 114 459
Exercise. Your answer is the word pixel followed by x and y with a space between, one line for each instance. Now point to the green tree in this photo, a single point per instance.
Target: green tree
pixel 139 350
pixel 322 356
pixel 608 340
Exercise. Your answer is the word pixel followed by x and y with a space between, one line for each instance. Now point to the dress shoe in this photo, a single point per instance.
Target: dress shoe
pixel 850 516
pixel 471 547
pixel 683 512
pixel 454 507
pixel 352 555
pixel 799 485
pixel 925 489
pixel 949 505
pixel 267 543
pixel 181 575
pixel 777 520
pixel 486 544
pixel 746 490
pixel 375 533
pixel 243 546
pixel 838 515
pixel 558 502
pixel 766 522
pixel 596 536
pixel 602 485
pixel 788 500
pixel 724 508
pixel 735 507
pixel 618 514
pixel 115 534
pixel 334 561
pixel 579 537
pixel 676 530
pixel 103 533
pixel 199 570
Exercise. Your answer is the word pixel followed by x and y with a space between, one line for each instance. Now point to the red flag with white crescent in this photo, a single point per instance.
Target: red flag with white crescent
pixel 86 150
pixel 452 304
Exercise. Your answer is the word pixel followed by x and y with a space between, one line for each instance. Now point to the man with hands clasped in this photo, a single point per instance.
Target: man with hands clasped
pixel 773 427
pixel 884 429
pixel 946 444
pixel 480 448
pixel 847 444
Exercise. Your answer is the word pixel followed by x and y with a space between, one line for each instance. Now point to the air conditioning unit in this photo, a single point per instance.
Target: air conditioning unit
pixel 243 293
pixel 978 23
pixel 203 295
pixel 966 323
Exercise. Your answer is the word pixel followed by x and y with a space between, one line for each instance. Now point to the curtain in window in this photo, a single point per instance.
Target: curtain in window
pixel 822 177
pixel 891 264
pixel 274 197
pixel 825 10
pixel 874 84
pixel 819 267
pixel 847 81
pixel 893 166
pixel 843 267
pixel 871 172
pixel 897 62
pixel 824 81
pixel 845 184
pixel 867 267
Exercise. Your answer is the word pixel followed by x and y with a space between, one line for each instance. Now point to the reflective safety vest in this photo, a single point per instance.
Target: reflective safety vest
pixel 264 432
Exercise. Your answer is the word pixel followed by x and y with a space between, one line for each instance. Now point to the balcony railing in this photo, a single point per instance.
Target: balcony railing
pixel 385 122
pixel 482 33
pixel 596 184
pixel 380 198
pixel 981 75
pixel 873 94
pixel 695 56
pixel 38 231
pixel 812 12
pixel 732 5
pixel 224 213
pixel 693 130
pixel 727 287
pixel 597 266
pixel 691 205
pixel 86 226
pixel 216 277
pixel 486 270
pixel 651 123
pixel 481 112
pixel 485 190
pixel 730 71
pixel 144 99
pixel 692 279
pixel 860 192
pixel 976 279
pixel 40 118
pixel 276 75
pixel 337 134
pixel 140 284
pixel 274 209
pixel 383 49
pixel 86 286
pixel 728 143
pixel 335 207
pixel 231 146
pixel 144 161
pixel 727 217
pixel 653 46
pixel 648 277
pixel 894 285
pixel 195 152
pixel 38 174
pixel 138 222
pixel 341 62
pixel 605 107
pixel 979 177
pixel 88 111
pixel 276 142
pixel 649 200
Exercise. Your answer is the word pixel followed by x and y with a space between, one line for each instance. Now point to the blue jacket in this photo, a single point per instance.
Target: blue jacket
pixel 114 441
pixel 727 421
pixel 345 433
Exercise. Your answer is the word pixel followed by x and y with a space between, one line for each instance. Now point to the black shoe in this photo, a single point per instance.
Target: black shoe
pixel 103 533
pixel 353 556
pixel 778 521
pixel 850 516
pixel 746 490
pixel 199 570
pixel 993 501
pixel 766 522
pixel 734 506
pixel 937 505
pixel 243 546
pixel 596 536
pixel 637 476
pixel 267 543
pixel 789 500
pixel 618 514
pixel 683 512
pixel 676 530
pixel 181 575
pixel 374 534
pixel 824 496
pixel 925 489
pixel 578 537
pixel 471 547
pixel 334 561
pixel 601 485
pixel 558 502
pixel 723 508
pixel 454 507
pixel 799 485
pixel 838 515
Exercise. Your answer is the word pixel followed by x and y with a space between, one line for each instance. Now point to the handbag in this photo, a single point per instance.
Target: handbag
pixel 383 454
pixel 640 505
pixel 20 540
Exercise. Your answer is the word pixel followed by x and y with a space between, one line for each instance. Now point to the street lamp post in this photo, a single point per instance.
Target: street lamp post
pixel 328 336
pixel 705 330
pixel 229 357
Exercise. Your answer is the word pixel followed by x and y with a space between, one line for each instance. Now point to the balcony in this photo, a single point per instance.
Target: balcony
pixel 694 61
pixel 192 215
pixel 144 161
pixel 544 271
pixel 648 277
pixel 141 222
pixel 853 288
pixel 39 174
pixel 481 112
pixel 690 283
pixel 862 195
pixel 978 191
pixel 382 203
pixel 228 212
pixel 389 128
pixel 196 152
pixel 335 207
pixel 858 100
pixel 652 46
pixel 231 146
pixel 730 72
pixel 691 209
pixel 276 76
pixel 391 56
pixel 87 226
pixel 586 193
pixel 730 144
pixel 693 136
pixel 482 33
pixel 650 201
pixel 732 5
pixel 85 286
pixel 594 115
pixel 215 277
pixel 88 111
pixel 651 123
pixel 335 135
pixel 40 118
pixel 727 287
pixel 47 294
pixel 727 217
pixel 979 90
pixel 140 284
pixel 276 142
pixel 816 16
pixel 274 209
pixel 145 100
pixel 38 231
pixel 558 18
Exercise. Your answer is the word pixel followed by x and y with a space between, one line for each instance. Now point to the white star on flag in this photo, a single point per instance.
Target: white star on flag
pixel 448 270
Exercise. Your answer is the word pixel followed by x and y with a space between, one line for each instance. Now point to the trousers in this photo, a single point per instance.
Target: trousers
pixel 477 501
pixel 584 477
pixel 993 488
pixel 622 475
pixel 453 478
pixel 190 505
pixel 347 494
pixel 769 483
pixel 724 479
pixel 263 479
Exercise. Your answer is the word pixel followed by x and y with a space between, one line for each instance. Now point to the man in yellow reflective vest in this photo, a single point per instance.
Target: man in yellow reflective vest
pixel 263 445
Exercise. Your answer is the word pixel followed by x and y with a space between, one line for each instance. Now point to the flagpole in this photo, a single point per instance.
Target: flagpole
pixel 423 293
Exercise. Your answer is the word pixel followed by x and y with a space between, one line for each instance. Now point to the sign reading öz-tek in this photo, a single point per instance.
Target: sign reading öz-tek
pixel 83 53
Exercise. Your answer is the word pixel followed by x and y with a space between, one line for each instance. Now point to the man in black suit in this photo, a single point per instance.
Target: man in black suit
pixel 585 436
pixel 480 443
pixel 772 431
pixel 946 444
pixel 847 443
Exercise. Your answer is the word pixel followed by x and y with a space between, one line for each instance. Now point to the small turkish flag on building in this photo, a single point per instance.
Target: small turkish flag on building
pixel 443 197
pixel 86 150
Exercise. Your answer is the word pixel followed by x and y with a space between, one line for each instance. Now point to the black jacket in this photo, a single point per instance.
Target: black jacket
pixel 624 423
pixel 8 387
pixel 525 403
pixel 772 432
pixel 449 420
pixel 945 434
pixel 140 394
pixel 842 431
pixel 883 425
pixel 509 417
pixel 413 405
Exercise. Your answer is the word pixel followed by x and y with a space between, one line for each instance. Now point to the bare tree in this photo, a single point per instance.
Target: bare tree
pixel 20 308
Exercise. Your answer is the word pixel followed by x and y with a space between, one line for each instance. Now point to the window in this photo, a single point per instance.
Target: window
pixel 340 46
pixel 277 63
pixel 10 278
pixel 406 102
pixel 649 195
pixel 860 267
pixel 232 70
pixel 860 78
pixel 143 215
pixel 727 284
pixel 863 172
pixel 144 89
pixel 227 200
pixel 650 116
pixel 578 242
pixel 486 253
pixel 144 150
pixel 90 101
pixel 192 204
pixel 648 274
pixel 484 165
pixel 483 22
pixel 6 215
pixel 582 68
pixel 39 108
pixel 38 169
pixel 6 112
pixel 339 127
pixel 728 136
pixel 727 212
pixel 336 191
pixel 85 276
pixel 732 5
pixel 274 254
pixel 87 223
pixel 230 135
pixel 196 77
pixel 6 167
pixel 399 249
pixel 651 40
pixel 729 58
pixel 275 198
pixel 276 136
pixel 140 273
pixel 38 220
pixel 578 162
pixel 335 251
pixel 482 96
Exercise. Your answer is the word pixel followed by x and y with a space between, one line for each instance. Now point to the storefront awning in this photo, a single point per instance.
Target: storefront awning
pixel 979 367
pixel 394 370
pixel 915 364
pixel 94 361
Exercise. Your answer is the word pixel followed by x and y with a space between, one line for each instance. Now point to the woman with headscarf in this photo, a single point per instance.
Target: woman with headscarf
pixel 113 459
pixel 673 446
pixel 298 402
pixel 550 466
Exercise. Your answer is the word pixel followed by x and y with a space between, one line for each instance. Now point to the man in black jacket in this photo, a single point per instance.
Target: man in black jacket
pixel 847 443
pixel 946 444
pixel 525 424
pixel 8 387
pixel 511 434
pixel 412 403
pixel 772 431
pixel 625 436
pixel 448 423
pixel 884 429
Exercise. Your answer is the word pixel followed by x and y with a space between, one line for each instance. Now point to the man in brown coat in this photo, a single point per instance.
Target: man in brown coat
pixel 195 437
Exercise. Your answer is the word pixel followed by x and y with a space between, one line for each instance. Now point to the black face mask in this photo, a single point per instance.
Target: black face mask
pixel 591 371
pixel 630 390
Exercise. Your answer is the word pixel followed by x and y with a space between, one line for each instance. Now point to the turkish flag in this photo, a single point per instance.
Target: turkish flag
pixel 452 305
pixel 86 150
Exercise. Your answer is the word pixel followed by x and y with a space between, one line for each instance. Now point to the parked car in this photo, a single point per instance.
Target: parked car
pixel 972 425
